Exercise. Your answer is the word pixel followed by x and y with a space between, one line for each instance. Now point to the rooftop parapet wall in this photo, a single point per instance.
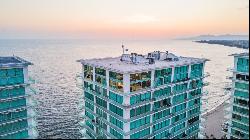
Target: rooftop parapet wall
pixel 128 66
pixel 13 61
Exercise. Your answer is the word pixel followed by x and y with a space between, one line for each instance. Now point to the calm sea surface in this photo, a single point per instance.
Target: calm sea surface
pixel 55 68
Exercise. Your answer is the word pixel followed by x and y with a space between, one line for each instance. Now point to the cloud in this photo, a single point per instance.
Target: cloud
pixel 140 18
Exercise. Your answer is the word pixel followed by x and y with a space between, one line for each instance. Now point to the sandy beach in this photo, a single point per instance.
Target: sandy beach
pixel 214 120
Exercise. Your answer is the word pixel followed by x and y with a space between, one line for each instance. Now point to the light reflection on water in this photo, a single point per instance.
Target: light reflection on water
pixel 55 68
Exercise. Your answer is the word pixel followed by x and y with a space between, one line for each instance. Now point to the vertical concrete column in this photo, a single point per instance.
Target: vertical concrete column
pixel 94 104
pixel 126 83
pixel 189 71
pixel 172 76
pixel 152 79
pixel 126 100
pixel 107 81
pixel 107 78
pixel 25 74
pixel 94 75
pixel 126 113
pixel 235 62
pixel 126 127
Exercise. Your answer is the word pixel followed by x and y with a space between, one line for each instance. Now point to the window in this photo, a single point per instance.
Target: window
pixel 11 76
pixel 240 118
pixel 194 102
pixel 88 72
pixel 89 96
pixel 140 134
pixel 115 133
pixel 116 122
pixel 115 97
pixel 140 81
pixel 179 108
pixel 161 114
pixel 181 73
pixel 89 105
pixel 13 104
pixel 191 121
pixel 140 98
pixel 241 94
pixel 179 98
pixel 101 91
pixel 116 81
pixel 243 86
pixel 88 86
pixel 139 110
pixel 178 117
pixel 178 127
pixel 241 102
pixel 192 129
pixel 7 93
pixel 162 92
pixel 162 103
pixel 90 125
pixel 139 122
pixel 116 109
pixel 193 111
pixel 243 65
pixel 13 115
pixel 180 88
pixel 242 77
pixel 11 127
pixel 196 70
pixel 240 134
pixel 101 113
pixel 163 135
pixel 241 110
pixel 162 77
pixel 100 76
pixel 89 115
pixel 194 93
pixel 161 125
pixel 101 102
pixel 196 84
pixel 240 126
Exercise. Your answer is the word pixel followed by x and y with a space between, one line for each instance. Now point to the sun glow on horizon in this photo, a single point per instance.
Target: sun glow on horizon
pixel 125 18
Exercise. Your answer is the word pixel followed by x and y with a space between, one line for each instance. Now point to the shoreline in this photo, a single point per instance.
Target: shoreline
pixel 214 109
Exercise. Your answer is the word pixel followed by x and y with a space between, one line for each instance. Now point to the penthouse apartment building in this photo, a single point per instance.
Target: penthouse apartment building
pixel 237 110
pixel 17 117
pixel 134 96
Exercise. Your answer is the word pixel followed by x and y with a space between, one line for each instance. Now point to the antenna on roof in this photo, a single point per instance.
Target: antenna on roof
pixel 122 48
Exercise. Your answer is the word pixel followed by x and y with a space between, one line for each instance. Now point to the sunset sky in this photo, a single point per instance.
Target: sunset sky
pixel 122 18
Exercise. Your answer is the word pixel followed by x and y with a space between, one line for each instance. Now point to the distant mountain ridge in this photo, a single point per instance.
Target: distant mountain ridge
pixel 217 37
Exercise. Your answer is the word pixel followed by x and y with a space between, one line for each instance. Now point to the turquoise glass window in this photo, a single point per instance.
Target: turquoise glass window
pixel 115 97
pixel 116 109
pixel 140 98
pixel 140 122
pixel 116 122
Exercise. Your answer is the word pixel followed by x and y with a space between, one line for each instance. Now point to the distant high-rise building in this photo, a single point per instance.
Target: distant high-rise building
pixel 142 96
pixel 16 104
pixel 237 110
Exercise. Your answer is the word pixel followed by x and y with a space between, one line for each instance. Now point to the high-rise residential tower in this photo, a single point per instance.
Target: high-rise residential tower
pixel 16 104
pixel 237 109
pixel 134 96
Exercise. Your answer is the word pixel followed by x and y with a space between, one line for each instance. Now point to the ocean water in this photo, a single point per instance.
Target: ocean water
pixel 55 69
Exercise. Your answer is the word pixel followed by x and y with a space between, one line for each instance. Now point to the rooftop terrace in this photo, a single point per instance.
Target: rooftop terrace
pixel 116 64
pixel 13 61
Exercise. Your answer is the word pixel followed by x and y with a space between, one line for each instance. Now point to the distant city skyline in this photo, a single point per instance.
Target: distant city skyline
pixel 122 18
